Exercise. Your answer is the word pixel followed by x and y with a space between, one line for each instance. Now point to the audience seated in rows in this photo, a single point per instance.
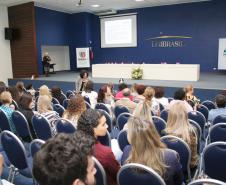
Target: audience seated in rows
pixel 220 101
pixel 45 109
pixel 25 107
pixel 146 148
pixel 178 125
pixel 6 100
pixel 180 96
pixel 65 160
pixel 89 92
pixel 159 97
pixel 56 93
pixel 76 106
pixel 125 101
pixel 93 123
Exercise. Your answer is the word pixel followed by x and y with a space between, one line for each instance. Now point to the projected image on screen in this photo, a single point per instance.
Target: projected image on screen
pixel 119 32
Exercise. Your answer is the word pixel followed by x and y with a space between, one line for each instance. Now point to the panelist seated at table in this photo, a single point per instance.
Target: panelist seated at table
pixel 46 63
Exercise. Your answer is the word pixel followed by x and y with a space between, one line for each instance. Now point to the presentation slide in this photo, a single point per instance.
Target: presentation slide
pixel 119 31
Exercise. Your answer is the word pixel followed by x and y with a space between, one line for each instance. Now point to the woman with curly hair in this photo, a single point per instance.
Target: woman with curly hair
pixel 93 123
pixel 76 106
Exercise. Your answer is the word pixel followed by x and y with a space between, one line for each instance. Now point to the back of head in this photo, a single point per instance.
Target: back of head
pixel 220 101
pixel 88 86
pixel 188 89
pixel 149 93
pixel 76 104
pixel 20 86
pixel 56 91
pixel 159 92
pixel 145 142
pixel 122 86
pixel 63 159
pixel 44 90
pixel 25 101
pixel 179 94
pixel 44 104
pixel 140 89
pixel 101 94
pixel 6 97
pixel 177 122
pixel 14 92
pixel 89 120
pixel 126 92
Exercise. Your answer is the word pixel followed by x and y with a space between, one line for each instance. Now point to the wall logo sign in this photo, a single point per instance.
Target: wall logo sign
pixel 167 41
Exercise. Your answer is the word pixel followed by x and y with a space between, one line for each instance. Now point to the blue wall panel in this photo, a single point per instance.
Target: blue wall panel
pixel 204 22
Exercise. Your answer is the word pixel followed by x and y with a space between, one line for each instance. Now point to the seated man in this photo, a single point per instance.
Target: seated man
pixel 125 100
pixel 46 63
pixel 220 102
pixel 65 160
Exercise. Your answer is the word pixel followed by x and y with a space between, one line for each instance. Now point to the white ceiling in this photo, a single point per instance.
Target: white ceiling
pixel 70 5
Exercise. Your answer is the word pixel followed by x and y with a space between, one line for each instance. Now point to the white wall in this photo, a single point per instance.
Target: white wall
pixel 5 53
pixel 58 55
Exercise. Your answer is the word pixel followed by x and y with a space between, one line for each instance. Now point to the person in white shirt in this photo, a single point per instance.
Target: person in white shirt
pixel 90 93
pixel 159 97
pixel 179 96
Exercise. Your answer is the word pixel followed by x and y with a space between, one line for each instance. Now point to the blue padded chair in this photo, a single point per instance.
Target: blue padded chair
pixel 102 106
pixel 42 127
pixel 4 122
pixel 207 181
pixel 59 109
pixel 55 101
pixel 108 120
pixel 122 120
pixel 64 126
pixel 16 154
pixel 199 118
pixel 15 104
pixel 159 123
pixel 35 146
pixel 88 106
pixel 119 110
pixel 164 114
pixel 198 131
pixel 204 110
pixel 65 97
pixel 182 148
pixel 217 132
pixel 122 139
pixel 69 93
pixel 219 119
pixel 21 125
pixel 209 104
pixel 86 98
pixel 105 140
pixel 101 178
pixel 214 160
pixel 128 175
pixel 65 103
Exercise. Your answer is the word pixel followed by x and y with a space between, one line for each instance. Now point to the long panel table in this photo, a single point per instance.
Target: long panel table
pixel 178 72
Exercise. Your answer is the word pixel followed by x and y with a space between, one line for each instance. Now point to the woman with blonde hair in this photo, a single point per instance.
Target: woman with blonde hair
pixel 76 106
pixel 189 90
pixel 44 90
pixel 45 109
pixel 178 125
pixel 146 148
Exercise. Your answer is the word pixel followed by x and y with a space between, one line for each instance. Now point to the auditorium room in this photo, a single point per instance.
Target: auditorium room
pixel 113 92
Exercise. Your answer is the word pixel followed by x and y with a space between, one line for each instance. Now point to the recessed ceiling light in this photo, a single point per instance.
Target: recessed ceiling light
pixel 138 0
pixel 95 5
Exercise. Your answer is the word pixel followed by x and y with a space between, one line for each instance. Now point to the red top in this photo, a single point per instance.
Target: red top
pixel 119 95
pixel 107 159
